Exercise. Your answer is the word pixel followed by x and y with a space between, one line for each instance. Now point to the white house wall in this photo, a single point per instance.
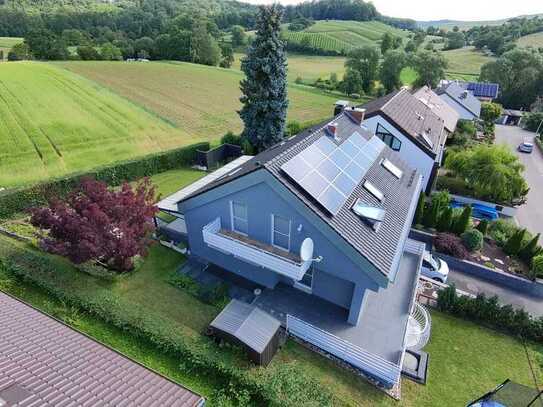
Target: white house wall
pixel 409 151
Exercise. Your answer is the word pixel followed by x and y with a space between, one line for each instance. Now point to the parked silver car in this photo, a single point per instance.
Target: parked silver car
pixel 434 268
pixel 526 146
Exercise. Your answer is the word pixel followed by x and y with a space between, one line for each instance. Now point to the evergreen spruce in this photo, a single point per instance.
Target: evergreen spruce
pixel 419 213
pixel 482 226
pixel 264 90
pixel 514 243
pixel 529 251
pixel 445 220
pixel 427 219
pixel 462 223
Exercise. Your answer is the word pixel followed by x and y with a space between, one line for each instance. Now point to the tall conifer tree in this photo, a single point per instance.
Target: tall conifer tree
pixel 264 90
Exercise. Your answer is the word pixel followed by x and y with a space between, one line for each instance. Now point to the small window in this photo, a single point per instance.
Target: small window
pixel 240 221
pixel 281 232
pixel 388 138
pixel 392 168
pixel 427 140
pixel 372 189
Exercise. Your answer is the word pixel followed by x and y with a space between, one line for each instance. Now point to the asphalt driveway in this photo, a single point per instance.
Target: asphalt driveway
pixel 517 299
pixel 529 215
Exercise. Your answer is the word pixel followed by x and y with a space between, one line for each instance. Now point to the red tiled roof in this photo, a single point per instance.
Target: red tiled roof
pixel 46 363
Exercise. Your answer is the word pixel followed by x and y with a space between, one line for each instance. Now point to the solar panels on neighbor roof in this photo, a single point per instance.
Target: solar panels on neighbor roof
pixel 330 172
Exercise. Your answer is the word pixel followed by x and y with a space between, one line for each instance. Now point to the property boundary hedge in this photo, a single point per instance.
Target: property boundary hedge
pixel 17 200
pixel 489 312
pixel 284 385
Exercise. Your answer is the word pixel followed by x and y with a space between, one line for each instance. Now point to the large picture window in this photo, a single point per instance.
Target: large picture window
pixel 240 221
pixel 281 232
pixel 388 138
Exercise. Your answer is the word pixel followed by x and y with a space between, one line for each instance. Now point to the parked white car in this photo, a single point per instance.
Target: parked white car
pixel 526 146
pixel 434 268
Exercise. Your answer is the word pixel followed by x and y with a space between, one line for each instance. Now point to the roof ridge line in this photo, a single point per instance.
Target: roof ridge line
pixel 391 99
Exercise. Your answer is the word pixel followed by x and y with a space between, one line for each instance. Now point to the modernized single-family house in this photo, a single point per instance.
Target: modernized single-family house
pixel 461 100
pixel 410 127
pixel 439 107
pixel 321 222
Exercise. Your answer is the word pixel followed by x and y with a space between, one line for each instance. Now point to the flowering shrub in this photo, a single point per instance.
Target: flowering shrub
pixel 450 244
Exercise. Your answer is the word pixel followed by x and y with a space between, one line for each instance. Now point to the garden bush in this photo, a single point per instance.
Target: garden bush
pixel 473 240
pixel 500 230
pixel 196 353
pixel 19 200
pixel 530 249
pixel 483 226
pixel 447 243
pixel 537 266
pixel 445 220
pixel 462 223
pixel 514 243
pixel 231 138
pixel 491 313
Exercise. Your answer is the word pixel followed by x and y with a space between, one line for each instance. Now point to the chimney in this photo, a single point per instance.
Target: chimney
pixel 331 128
pixel 357 115
pixel 339 106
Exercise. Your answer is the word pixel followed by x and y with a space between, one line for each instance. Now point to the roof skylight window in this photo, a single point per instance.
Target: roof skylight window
pixel 392 168
pixel 372 189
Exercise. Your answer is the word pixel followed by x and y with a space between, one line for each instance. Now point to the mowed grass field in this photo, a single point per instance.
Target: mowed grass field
pixel 308 67
pixel 337 35
pixel 201 100
pixel 466 61
pixel 54 122
pixel 533 40
pixel 6 43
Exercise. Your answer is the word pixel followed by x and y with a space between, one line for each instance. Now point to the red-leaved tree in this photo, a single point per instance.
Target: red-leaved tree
pixel 97 224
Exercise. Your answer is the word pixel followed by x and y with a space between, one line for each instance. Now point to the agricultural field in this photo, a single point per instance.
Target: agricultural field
pixel 308 67
pixel 199 99
pixel 533 40
pixel 6 43
pixel 54 122
pixel 465 62
pixel 341 36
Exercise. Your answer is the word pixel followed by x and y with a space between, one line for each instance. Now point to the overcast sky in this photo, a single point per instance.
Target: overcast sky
pixel 455 10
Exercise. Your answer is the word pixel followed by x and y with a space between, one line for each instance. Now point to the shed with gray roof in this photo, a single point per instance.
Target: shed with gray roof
pixel 257 331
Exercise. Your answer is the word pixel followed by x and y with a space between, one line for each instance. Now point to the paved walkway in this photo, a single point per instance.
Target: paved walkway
pixel 529 215
pixel 474 285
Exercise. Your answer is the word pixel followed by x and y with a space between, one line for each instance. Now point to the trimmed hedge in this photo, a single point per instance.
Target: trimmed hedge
pixel 489 312
pixel 271 386
pixel 17 200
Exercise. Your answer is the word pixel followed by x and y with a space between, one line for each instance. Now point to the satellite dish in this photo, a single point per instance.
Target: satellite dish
pixel 306 251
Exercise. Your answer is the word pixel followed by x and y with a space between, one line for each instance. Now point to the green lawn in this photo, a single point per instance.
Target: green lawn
pixel 53 122
pixel 465 60
pixel 171 181
pixel 533 40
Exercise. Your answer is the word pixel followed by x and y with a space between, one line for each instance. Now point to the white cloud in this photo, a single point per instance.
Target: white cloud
pixel 470 10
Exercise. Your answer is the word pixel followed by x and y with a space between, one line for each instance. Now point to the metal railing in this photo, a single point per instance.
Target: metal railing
pixel 252 254
pixel 418 328
pixel 380 369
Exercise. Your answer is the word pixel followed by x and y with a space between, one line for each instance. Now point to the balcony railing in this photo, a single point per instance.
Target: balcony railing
pixel 253 252
pixel 418 328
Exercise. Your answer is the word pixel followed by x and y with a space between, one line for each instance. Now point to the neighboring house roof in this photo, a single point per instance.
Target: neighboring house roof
pixel 380 247
pixel 249 324
pixel 481 89
pixel 411 117
pixel 461 96
pixel 439 107
pixel 46 363
pixel 169 204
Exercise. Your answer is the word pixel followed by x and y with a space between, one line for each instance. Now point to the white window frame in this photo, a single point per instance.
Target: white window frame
pixel 282 234
pixel 232 224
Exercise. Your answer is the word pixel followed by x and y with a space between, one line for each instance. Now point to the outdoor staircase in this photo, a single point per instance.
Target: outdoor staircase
pixel 418 328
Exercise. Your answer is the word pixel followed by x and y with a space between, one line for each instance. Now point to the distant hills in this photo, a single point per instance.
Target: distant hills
pixel 466 25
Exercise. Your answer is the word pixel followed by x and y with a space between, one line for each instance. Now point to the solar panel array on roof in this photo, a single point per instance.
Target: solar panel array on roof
pixel 489 90
pixel 330 172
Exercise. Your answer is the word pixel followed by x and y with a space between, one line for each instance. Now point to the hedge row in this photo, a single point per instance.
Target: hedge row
pixel 17 200
pixel 488 311
pixel 281 385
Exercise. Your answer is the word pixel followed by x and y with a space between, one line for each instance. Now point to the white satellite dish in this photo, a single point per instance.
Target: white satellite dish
pixel 306 251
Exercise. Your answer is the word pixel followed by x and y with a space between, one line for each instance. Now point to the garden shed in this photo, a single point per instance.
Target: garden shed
pixel 246 325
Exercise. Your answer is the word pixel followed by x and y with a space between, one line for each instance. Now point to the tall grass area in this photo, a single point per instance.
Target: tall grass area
pixel 341 36
pixel 201 100
pixel 53 122
pixel 533 40
pixel 465 61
